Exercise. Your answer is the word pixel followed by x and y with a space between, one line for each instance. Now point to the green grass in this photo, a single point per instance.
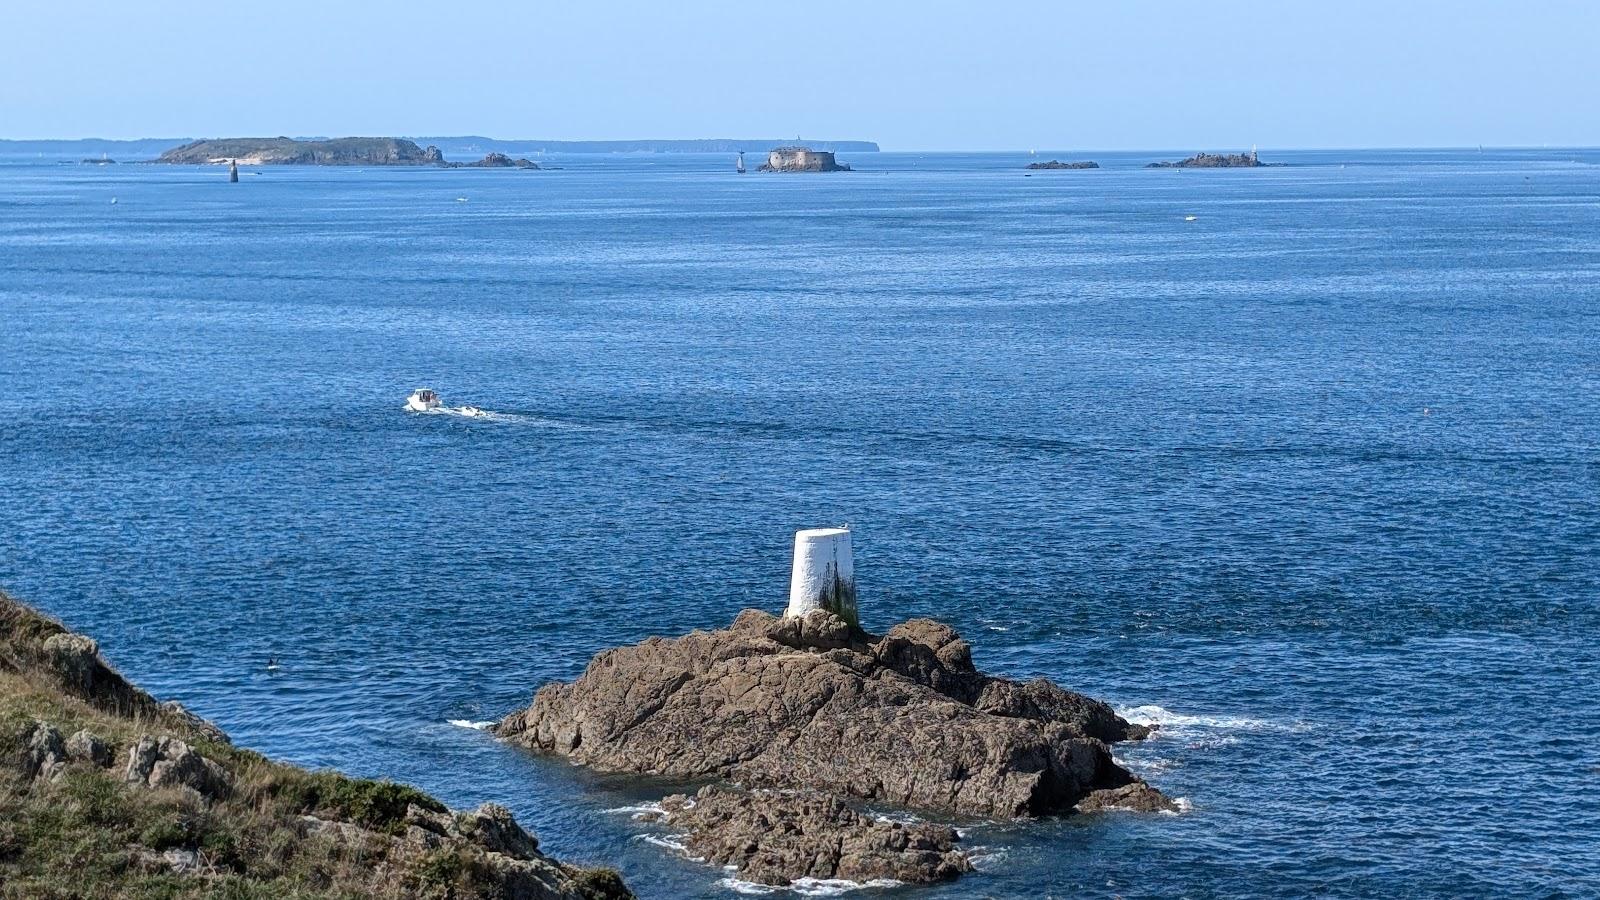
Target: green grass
pixel 89 835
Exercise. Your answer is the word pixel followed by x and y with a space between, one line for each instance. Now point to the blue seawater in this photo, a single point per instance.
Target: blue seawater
pixel 1314 479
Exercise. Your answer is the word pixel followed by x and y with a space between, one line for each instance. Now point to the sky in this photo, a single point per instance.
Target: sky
pixel 930 75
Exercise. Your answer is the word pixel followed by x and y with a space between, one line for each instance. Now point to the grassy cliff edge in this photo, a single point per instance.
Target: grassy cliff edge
pixel 106 792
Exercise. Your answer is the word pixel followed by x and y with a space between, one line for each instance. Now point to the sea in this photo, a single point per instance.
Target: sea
pixel 1301 462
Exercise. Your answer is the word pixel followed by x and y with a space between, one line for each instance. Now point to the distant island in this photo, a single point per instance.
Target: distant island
pixel 148 148
pixel 1058 164
pixel 802 159
pixel 354 151
pixel 493 161
pixel 710 145
pixel 1215 161
pixel 282 151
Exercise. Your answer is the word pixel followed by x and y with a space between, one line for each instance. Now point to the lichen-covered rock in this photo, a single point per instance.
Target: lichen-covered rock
pixel 87 747
pixel 44 754
pixel 164 762
pixel 780 837
pixel 903 719
pixel 74 659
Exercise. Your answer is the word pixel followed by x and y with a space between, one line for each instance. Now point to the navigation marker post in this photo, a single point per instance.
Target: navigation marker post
pixel 824 575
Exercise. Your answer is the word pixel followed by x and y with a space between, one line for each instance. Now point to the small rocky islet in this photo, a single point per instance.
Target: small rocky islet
pixel 799 721
pixel 1215 161
pixel 1058 164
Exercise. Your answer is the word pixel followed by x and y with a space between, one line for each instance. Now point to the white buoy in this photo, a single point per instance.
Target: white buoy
pixel 824 574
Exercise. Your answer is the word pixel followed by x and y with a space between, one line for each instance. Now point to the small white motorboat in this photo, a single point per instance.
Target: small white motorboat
pixel 423 400
pixel 472 412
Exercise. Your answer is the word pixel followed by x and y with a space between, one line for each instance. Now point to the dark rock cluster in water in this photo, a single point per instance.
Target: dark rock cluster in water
pixel 810 704
pixel 1058 164
pixel 1215 161
pixel 494 161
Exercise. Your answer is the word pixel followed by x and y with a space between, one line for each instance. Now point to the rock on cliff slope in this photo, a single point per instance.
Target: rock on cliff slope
pixel 105 792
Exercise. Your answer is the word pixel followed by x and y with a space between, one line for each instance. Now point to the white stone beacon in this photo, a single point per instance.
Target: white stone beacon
pixel 824 574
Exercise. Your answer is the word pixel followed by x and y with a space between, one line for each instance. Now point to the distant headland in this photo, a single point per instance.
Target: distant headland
pixel 1215 161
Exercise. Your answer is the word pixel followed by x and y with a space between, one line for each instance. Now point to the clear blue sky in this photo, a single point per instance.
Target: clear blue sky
pixel 934 74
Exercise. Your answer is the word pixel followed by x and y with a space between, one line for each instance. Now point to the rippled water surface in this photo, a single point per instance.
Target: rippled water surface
pixel 1313 479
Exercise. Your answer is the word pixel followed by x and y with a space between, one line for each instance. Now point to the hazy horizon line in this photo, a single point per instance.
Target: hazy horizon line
pixel 881 147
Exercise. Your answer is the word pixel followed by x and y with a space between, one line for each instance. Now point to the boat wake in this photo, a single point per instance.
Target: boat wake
pixel 502 418
pixel 465 412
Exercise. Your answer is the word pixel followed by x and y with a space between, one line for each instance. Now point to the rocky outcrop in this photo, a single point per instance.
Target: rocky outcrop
pixel 45 756
pixel 488 839
pixel 1135 797
pixel 1058 164
pixel 167 762
pixel 903 719
pixel 90 749
pixel 1214 161
pixel 813 715
pixel 495 161
pixel 777 838
pixel 491 827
